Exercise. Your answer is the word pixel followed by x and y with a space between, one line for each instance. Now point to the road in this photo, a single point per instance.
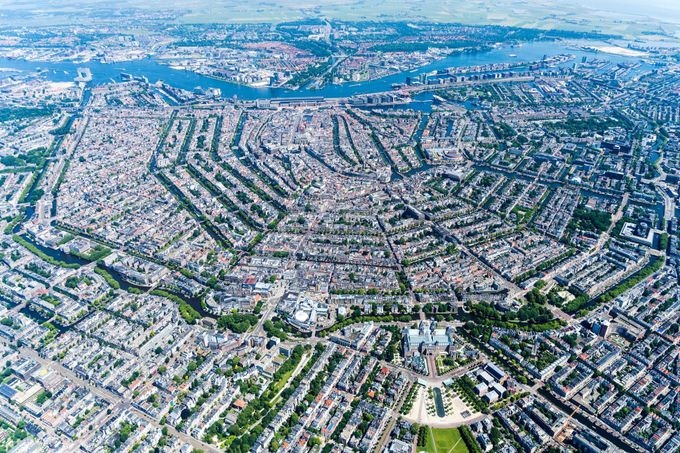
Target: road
pixel 270 305
pixel 514 289
pixel 317 82
pixel 604 237
pixel 615 218
pixel 118 401
pixel 394 414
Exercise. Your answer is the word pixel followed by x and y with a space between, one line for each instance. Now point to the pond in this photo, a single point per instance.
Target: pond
pixel 439 402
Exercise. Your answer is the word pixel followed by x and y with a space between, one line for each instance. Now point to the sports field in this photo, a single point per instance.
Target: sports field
pixel 445 440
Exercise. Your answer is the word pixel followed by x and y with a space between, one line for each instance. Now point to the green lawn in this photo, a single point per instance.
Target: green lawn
pixel 281 383
pixel 445 440
pixel 284 380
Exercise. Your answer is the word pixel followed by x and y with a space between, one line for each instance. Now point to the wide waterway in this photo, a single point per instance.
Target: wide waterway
pixel 154 71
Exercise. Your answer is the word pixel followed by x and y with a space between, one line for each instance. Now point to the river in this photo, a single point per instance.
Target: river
pixel 154 71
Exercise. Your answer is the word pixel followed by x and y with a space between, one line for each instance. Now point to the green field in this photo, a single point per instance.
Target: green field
pixel 631 20
pixel 281 383
pixel 444 440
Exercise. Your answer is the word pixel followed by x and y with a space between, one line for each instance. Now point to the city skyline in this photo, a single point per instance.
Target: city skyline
pixel 342 226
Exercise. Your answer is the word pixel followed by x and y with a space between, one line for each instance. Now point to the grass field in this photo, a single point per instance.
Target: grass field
pixel 628 17
pixel 284 380
pixel 445 440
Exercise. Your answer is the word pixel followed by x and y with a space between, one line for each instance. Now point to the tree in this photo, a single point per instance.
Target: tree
pixel 495 435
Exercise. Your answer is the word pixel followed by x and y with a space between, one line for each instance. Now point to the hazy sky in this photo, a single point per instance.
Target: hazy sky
pixel 657 8
pixel 573 14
